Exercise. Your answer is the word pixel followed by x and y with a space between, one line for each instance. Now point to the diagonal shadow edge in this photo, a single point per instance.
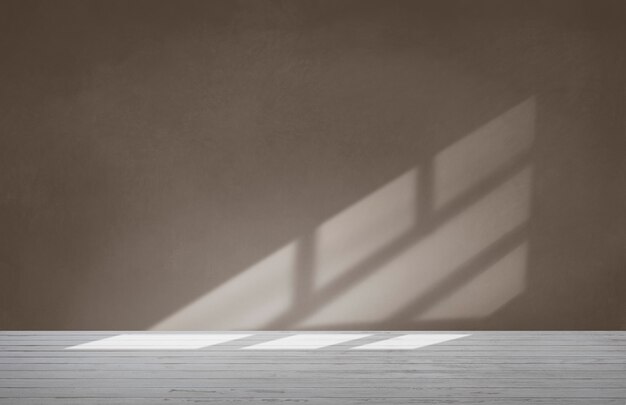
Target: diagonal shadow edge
pixel 464 274
pixel 419 232
pixel 426 157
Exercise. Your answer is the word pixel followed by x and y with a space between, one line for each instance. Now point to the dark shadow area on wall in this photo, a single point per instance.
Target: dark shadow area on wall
pixel 312 165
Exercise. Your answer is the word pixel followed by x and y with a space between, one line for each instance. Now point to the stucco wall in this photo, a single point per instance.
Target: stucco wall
pixel 312 164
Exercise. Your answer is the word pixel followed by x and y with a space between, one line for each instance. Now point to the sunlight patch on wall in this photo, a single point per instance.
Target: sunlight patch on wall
pixel 475 157
pixel 377 260
pixel 490 290
pixel 247 300
pixel 266 290
pixel 417 269
pixel 365 227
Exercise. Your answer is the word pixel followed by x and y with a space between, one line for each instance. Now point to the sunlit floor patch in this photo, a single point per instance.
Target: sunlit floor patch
pixel 409 342
pixel 160 341
pixel 306 341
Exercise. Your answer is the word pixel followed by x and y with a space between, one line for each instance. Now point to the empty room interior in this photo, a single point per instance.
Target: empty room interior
pixel 325 202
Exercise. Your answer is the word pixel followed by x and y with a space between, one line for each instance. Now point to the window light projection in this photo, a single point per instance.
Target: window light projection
pixel 446 239
pixel 423 264
pixel 161 341
pixel 266 286
pixel 306 341
pixel 487 150
pixel 487 291
pixel 409 342
pixel 367 226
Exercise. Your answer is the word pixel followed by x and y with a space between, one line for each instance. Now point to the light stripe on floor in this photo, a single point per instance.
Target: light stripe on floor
pixel 306 341
pixel 161 341
pixel 409 342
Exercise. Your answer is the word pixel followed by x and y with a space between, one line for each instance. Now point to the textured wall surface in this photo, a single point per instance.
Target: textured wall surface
pixel 325 164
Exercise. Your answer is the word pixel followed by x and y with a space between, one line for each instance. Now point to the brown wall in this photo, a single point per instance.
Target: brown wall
pixel 312 164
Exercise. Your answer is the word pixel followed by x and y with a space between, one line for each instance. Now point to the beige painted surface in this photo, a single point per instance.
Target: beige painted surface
pixel 312 164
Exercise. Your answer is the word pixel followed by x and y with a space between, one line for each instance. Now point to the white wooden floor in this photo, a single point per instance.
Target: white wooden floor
pixel 70 368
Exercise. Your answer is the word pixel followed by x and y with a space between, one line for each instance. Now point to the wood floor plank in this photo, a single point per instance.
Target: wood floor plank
pixel 204 355
pixel 322 358
pixel 504 368
pixel 305 392
pixel 338 366
pixel 279 374
pixel 311 401
pixel 322 382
